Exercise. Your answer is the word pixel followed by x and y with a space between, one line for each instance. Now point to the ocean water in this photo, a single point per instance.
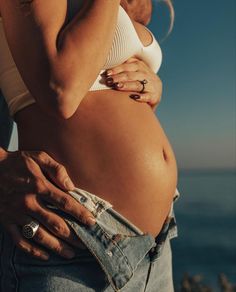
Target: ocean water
pixel 206 216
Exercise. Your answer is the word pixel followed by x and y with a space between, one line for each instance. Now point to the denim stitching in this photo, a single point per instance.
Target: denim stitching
pixel 113 245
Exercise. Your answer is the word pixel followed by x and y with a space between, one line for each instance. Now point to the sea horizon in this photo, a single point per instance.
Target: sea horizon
pixel 206 170
pixel 206 218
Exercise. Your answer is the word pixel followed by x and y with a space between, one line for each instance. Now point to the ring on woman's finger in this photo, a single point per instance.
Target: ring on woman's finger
pixel 143 83
pixel 29 230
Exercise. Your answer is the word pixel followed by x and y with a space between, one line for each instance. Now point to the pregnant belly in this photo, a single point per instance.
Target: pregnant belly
pixel 113 147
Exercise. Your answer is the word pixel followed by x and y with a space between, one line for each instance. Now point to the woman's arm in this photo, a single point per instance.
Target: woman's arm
pixel 55 62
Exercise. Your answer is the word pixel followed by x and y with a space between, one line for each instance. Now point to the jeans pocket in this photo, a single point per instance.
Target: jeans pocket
pixel 59 274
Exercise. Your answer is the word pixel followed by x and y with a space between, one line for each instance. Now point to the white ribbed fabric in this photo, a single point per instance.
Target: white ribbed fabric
pixel 126 44
pixel 11 84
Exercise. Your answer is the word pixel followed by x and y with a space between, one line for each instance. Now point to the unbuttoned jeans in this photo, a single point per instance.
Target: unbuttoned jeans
pixel 115 256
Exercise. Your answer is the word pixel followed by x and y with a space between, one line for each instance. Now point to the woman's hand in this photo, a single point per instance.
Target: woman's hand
pixel 24 192
pixel 128 77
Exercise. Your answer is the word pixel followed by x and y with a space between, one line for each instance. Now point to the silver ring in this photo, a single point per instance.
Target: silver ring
pixel 143 82
pixel 29 230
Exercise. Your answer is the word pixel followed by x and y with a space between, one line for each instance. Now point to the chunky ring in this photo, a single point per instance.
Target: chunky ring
pixel 29 230
pixel 143 82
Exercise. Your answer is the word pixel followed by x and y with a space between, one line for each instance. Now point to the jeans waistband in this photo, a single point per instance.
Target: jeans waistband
pixel 97 206
pixel 117 244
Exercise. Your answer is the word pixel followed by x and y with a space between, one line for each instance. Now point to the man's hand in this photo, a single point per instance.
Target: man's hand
pixel 24 192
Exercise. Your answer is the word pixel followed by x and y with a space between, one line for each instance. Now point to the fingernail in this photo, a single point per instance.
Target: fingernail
pixel 135 96
pixel 110 81
pixel 109 72
pixel 68 184
pixel 119 84
pixel 103 74
pixel 69 253
pixel 91 221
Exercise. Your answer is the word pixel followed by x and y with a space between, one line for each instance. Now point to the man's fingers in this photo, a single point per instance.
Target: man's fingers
pixel 56 225
pixel 51 221
pixel 68 204
pixel 25 245
pixel 43 237
pixel 54 170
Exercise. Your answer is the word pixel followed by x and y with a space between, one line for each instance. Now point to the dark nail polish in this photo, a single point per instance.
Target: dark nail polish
pixel 110 81
pixel 135 96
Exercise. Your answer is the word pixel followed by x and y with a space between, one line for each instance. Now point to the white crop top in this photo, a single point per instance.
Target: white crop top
pixel 126 43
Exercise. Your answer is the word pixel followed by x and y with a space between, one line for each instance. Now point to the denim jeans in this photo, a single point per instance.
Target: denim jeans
pixel 115 256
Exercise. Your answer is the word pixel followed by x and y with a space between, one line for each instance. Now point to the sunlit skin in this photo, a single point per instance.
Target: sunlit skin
pixel 112 146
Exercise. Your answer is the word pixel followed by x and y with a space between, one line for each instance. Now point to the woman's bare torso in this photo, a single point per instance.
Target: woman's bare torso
pixel 113 147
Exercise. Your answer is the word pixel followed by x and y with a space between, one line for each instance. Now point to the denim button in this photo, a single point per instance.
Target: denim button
pixel 83 199
pixel 108 252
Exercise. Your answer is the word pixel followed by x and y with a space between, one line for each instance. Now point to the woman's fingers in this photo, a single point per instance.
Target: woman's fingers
pixel 143 92
pixel 25 245
pixel 146 98
pixel 129 66
pixel 136 86
pixel 129 76
pixel 125 76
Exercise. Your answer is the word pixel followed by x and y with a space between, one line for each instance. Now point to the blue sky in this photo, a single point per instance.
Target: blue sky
pixel 198 107
pixel 198 72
